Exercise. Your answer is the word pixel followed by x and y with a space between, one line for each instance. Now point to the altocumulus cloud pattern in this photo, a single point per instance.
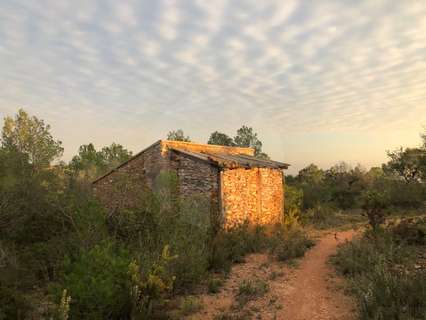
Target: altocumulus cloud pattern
pixel 281 65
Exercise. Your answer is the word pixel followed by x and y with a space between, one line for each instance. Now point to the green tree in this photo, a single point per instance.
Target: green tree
pixel 177 135
pixel 345 184
pixel 221 139
pixel 246 137
pixel 374 204
pixel 407 163
pixel 31 136
pixel 311 175
pixel 115 154
pixel 90 163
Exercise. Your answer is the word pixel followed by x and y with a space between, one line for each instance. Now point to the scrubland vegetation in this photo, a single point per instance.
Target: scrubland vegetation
pixel 63 256
pixel 386 269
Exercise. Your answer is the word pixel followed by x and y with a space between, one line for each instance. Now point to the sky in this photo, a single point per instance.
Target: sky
pixel 319 81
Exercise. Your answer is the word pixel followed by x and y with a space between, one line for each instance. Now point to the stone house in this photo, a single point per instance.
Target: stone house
pixel 241 187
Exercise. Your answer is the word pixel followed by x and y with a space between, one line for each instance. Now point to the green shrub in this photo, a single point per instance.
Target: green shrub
pixel 386 294
pixel 405 195
pixel 98 282
pixel 374 204
pixel 322 216
pixel 381 276
pixel 412 231
pixel 232 245
pixel 287 244
pixel 150 289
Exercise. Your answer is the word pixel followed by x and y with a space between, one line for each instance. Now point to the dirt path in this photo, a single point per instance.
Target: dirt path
pixel 309 291
pixel 313 293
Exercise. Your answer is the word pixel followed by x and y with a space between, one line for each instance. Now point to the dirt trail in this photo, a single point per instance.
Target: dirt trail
pixel 310 291
pixel 313 293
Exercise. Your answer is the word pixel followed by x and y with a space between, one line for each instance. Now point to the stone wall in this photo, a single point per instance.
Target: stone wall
pixel 123 186
pixel 254 195
pixel 242 194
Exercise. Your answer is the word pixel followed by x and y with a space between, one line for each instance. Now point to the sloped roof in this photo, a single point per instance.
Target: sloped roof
pixel 221 156
pixel 233 161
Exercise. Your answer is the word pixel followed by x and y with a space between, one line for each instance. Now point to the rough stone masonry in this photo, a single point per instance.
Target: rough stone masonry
pixel 239 186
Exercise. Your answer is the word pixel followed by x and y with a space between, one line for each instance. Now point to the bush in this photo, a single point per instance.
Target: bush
pixel 98 283
pixel 287 244
pixel 374 204
pixel 381 277
pixel 412 231
pixel 321 216
pixel 386 294
pixel 405 195
pixel 149 290
pixel 232 245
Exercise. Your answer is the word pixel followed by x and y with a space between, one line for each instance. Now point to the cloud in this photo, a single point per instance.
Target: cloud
pixel 284 67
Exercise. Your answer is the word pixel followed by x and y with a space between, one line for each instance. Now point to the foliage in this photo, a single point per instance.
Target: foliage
pixel 322 216
pixel 246 137
pixel 293 198
pixel 13 304
pixel 152 288
pixel 382 278
pixel 411 231
pixel 98 282
pixel 64 306
pixel 293 205
pixel 161 218
pixel 178 135
pixel 32 137
pixel 289 243
pixel 311 175
pixel 90 163
pixel 408 163
pixel 374 204
pixel 222 139
pixel 232 245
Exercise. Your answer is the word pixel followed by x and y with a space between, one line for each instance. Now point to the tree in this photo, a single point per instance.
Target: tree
pixel 221 139
pixel 374 204
pixel 32 137
pixel 177 135
pixel 91 163
pixel 246 137
pixel 407 163
pixel 311 175
pixel 115 154
pixel 345 184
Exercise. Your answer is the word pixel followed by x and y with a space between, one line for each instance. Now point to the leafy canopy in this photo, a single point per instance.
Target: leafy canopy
pixel 246 137
pixel 31 136
pixel 407 163
pixel 221 139
pixel 178 135
pixel 90 163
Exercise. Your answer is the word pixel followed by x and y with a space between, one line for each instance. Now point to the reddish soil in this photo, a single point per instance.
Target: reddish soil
pixel 309 291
